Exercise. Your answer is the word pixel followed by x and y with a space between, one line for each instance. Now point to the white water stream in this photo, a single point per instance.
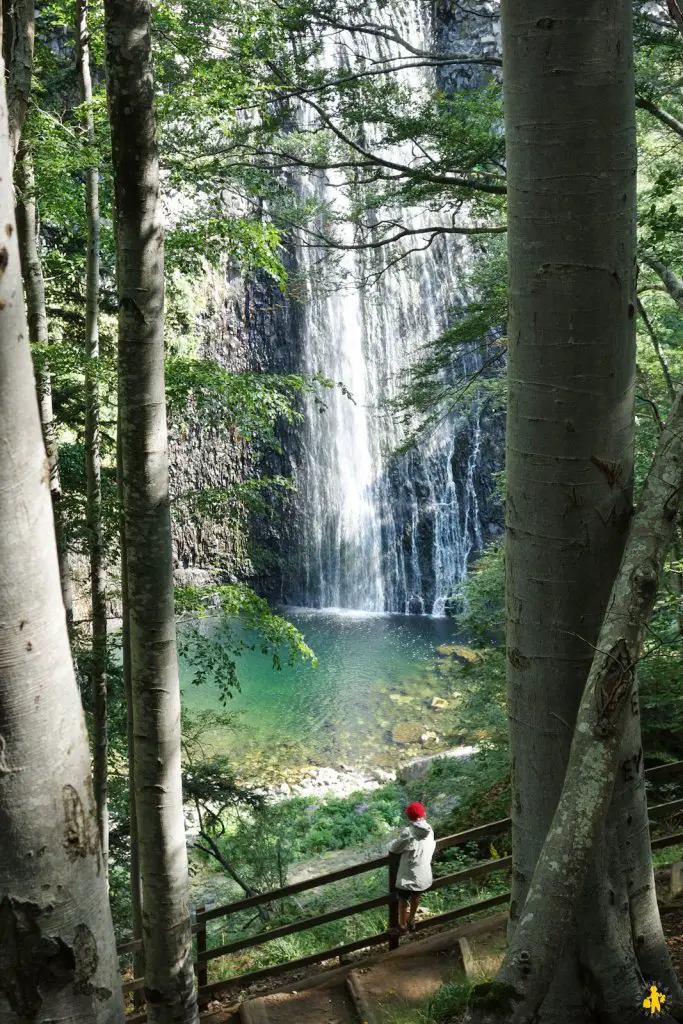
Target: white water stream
pixel 375 536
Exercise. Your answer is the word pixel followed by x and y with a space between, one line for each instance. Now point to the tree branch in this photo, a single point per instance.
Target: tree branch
pixel 658 350
pixel 672 282
pixel 668 119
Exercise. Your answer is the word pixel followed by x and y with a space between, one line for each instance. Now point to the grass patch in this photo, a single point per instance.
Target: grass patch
pixel 446 1006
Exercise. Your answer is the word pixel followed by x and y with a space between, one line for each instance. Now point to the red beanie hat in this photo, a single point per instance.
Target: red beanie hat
pixel 415 811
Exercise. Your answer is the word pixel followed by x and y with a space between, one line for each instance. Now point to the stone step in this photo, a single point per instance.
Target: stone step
pixel 482 955
pixel 333 1005
pixel 402 983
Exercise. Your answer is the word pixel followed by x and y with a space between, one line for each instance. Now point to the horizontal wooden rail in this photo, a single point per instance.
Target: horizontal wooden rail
pixel 663 772
pixel 291 890
pixel 673 840
pixel 478 871
pixel 292 965
pixel 663 810
pixel 291 929
pixel 493 828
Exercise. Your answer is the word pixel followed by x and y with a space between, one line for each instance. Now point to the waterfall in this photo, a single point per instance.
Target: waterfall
pixel 370 533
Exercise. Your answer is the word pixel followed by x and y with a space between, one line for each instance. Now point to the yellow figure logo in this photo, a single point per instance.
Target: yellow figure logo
pixel 653 1003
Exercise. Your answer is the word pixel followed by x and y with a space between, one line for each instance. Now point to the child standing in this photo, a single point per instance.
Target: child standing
pixel 416 845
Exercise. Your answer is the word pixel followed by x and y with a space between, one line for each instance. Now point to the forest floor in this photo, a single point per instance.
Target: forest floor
pixel 672 922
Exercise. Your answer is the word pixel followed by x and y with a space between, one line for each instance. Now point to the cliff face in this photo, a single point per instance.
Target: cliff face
pixel 304 542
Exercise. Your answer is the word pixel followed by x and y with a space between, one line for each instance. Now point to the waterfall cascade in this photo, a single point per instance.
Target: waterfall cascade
pixel 374 534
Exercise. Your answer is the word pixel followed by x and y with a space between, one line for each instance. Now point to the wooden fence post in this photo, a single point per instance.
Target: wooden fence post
pixel 393 904
pixel 201 968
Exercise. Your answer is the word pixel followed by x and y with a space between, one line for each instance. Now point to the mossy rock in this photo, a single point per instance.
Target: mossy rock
pixel 407 732
pixel 400 698
pixel 460 653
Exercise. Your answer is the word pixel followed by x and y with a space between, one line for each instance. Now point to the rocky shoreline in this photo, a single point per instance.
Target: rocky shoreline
pixel 343 781
pixel 328 782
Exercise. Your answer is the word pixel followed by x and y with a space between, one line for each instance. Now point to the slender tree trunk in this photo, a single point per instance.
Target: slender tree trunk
pixel 664 366
pixel 56 935
pixel 169 978
pixel 675 581
pixel 135 881
pixel 570 131
pixel 92 443
pixel 34 288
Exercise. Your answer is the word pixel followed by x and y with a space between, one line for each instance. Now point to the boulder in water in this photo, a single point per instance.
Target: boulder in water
pixel 414 771
pixel 406 732
pixel 460 653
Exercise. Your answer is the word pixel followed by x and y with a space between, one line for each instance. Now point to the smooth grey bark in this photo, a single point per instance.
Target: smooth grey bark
pixel 93 462
pixel 169 979
pixel 34 289
pixel 609 702
pixel 571 162
pixel 571 355
pixel 57 949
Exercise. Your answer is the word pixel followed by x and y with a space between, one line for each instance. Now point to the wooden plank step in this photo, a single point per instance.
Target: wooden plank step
pixel 332 1005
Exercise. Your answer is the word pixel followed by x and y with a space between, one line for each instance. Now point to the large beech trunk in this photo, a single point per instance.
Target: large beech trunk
pixel 169 978
pixel 18 32
pixel 34 288
pixel 98 672
pixel 598 846
pixel 571 156
pixel 56 937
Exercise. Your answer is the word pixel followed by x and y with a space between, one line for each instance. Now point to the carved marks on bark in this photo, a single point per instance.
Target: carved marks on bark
pixel 632 766
pixel 30 959
pixel 80 829
pixel 615 688
pixel 33 961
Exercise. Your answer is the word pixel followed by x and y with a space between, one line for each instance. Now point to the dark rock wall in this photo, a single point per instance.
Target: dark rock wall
pixel 252 327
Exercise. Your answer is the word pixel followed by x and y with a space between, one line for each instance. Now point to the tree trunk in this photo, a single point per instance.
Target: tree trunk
pixel 664 366
pixel 169 978
pixel 605 731
pixel 135 881
pixel 92 443
pixel 571 155
pixel 675 581
pixel 56 936
pixel 34 288
pixel 18 34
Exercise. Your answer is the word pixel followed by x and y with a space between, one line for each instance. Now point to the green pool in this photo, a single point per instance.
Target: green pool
pixel 374 672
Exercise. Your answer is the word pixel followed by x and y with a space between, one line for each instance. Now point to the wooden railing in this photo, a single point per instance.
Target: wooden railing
pixel 656 776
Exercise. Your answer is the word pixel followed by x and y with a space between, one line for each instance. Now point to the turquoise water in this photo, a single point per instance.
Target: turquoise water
pixel 342 710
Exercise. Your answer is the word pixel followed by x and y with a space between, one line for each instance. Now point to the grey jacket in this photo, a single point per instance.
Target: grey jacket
pixel 416 845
